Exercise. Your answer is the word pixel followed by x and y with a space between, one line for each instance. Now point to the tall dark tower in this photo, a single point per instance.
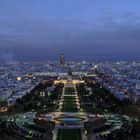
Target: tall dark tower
pixel 62 59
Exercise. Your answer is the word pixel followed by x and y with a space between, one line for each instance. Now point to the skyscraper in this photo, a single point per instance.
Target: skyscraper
pixel 138 83
pixel 62 59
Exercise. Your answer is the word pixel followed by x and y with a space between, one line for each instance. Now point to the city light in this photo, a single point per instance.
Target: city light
pixel 19 78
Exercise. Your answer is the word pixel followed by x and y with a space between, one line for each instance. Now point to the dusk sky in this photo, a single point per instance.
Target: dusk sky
pixel 82 29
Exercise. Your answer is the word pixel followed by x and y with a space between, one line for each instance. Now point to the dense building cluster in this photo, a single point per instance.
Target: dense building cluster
pixel 18 78
pixel 121 78
pixel 73 100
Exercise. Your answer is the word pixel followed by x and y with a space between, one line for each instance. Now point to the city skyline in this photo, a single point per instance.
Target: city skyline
pixel 69 70
pixel 90 30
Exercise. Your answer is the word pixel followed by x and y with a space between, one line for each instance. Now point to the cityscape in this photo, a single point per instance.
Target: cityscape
pixel 59 100
pixel 69 70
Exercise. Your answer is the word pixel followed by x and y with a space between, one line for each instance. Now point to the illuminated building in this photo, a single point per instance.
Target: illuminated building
pixel 3 106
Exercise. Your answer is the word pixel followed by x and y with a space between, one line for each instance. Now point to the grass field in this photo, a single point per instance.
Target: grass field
pixel 69 98
pixel 69 104
pixel 69 90
pixel 69 134
pixel 69 107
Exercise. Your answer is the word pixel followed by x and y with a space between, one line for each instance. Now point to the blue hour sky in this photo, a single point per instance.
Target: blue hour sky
pixel 82 29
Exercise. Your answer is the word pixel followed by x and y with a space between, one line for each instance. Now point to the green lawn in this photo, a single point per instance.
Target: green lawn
pixel 69 90
pixel 69 104
pixel 69 98
pixel 69 134
pixel 69 107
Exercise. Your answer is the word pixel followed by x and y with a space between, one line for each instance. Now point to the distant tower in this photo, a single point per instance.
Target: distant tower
pixel 62 59
pixel 138 83
pixel 136 95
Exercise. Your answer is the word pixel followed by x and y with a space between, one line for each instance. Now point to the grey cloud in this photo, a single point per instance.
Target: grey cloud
pixel 104 36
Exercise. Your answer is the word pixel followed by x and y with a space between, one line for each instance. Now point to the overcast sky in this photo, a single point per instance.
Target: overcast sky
pixel 82 29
